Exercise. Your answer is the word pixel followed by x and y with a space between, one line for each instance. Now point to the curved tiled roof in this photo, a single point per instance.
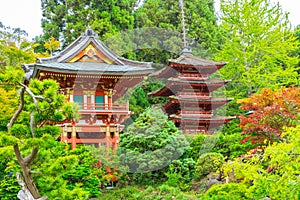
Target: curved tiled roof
pixel 62 62
pixel 190 59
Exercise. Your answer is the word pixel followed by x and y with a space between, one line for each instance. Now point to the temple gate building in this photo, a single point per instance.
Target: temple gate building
pixel 93 76
pixel 189 89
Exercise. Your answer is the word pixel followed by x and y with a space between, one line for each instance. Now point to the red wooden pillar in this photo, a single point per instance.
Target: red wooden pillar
pixel 116 139
pixel 73 137
pixel 109 102
pixel 108 139
pixel 64 134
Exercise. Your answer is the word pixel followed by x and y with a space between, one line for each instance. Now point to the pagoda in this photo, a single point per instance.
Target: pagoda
pixel 189 89
pixel 94 77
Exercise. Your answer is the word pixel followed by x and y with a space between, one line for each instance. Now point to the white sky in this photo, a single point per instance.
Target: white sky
pixel 26 14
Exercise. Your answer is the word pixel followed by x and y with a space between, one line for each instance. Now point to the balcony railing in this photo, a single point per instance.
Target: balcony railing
pixel 193 76
pixel 194 94
pixel 103 106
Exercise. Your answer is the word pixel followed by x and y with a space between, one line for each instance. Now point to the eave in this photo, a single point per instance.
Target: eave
pixel 173 85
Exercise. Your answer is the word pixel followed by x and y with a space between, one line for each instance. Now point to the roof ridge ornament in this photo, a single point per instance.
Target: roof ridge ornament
pixel 89 32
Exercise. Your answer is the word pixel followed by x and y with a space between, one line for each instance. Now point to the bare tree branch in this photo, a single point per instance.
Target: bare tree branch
pixel 17 152
pixel 31 156
pixel 17 113
pixel 34 172
pixel 33 96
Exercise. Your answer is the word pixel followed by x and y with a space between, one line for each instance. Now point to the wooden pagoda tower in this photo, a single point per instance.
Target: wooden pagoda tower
pixel 93 76
pixel 189 89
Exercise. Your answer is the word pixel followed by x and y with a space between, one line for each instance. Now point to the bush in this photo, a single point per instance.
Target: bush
pixel 208 163
pixel 232 191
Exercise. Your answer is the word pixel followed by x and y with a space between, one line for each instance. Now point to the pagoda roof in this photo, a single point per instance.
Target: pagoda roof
pixel 191 60
pixel 178 103
pixel 174 83
pixel 87 54
pixel 211 100
pixel 203 119
pixel 187 60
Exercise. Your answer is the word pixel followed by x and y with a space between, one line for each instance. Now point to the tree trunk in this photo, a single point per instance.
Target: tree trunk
pixel 25 165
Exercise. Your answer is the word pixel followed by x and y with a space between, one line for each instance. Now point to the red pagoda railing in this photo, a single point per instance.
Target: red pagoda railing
pixel 102 106
pixel 191 76
pixel 193 94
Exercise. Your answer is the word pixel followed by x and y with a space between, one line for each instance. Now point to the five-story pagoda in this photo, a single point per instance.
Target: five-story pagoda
pixel 189 89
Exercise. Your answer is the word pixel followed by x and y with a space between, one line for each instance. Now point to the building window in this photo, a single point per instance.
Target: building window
pixel 78 99
pixel 99 102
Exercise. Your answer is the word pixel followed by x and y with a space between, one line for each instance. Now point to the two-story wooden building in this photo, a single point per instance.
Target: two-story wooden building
pixel 93 76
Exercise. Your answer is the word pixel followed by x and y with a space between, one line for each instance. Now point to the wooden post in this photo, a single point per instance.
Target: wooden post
pixel 85 101
pixel 93 102
pixel 116 139
pixel 108 139
pixel 106 102
pixel 109 102
pixel 73 137
pixel 64 134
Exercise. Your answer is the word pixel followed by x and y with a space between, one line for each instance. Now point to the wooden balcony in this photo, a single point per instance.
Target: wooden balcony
pixel 194 94
pixel 192 76
pixel 103 108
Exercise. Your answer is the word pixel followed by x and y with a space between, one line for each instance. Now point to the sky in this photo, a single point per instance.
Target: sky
pixel 26 14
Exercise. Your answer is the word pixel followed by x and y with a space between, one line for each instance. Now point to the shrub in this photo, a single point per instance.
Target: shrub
pixel 208 163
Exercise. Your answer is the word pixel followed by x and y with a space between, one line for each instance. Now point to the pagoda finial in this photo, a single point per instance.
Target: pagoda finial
pixel 185 43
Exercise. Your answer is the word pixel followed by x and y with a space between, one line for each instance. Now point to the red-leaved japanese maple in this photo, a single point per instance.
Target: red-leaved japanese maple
pixel 271 111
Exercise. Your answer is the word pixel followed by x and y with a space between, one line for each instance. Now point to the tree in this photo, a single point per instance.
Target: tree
pixel 201 22
pixel 297 51
pixel 44 104
pixel 64 173
pixel 52 45
pixel 273 110
pixel 15 49
pixel 8 103
pixel 67 19
pixel 150 144
pixel 257 44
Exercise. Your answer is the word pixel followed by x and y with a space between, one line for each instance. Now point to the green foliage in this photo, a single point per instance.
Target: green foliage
pixel 209 163
pixel 150 193
pixel 128 193
pixel 52 45
pixel 232 191
pixel 15 49
pixel 20 131
pixel 9 187
pixel 150 144
pixel 105 17
pixel 66 174
pixel 200 21
pixel 10 76
pixel 139 100
pixel 48 129
pixel 8 102
pixel 195 147
pixel 229 142
pixel 258 47
pixel 272 172
pixel 180 173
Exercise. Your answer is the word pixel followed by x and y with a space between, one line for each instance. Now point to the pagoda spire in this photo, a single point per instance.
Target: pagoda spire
pixel 186 48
